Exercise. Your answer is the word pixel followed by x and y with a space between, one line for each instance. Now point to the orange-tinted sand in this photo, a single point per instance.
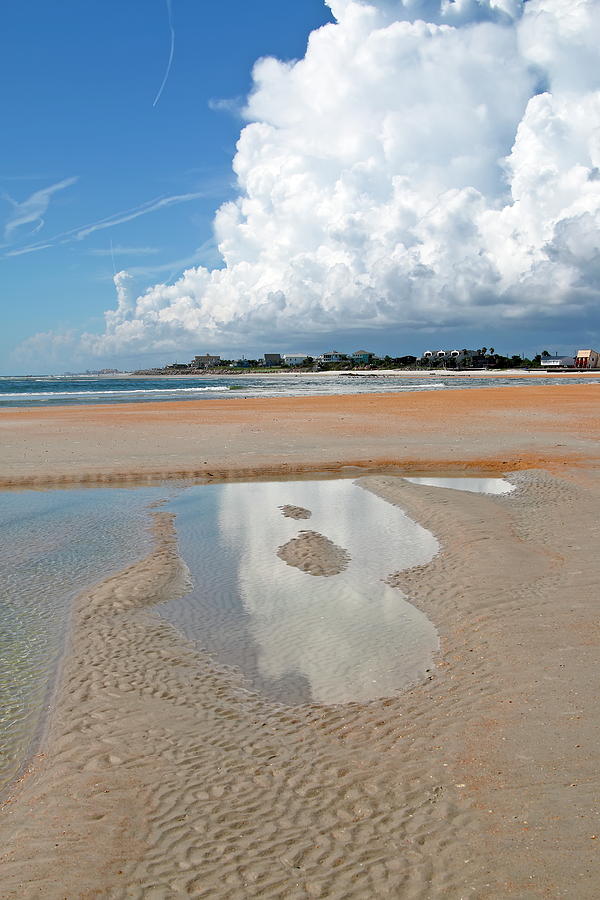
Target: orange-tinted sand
pixel 485 429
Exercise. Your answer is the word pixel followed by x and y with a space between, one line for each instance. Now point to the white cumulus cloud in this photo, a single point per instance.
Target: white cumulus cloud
pixel 424 163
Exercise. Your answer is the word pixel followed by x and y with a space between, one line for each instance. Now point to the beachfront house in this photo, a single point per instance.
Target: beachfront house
pixel 332 356
pixel 457 356
pixel 558 362
pixel 587 359
pixel 362 357
pixel 272 359
pixel 206 361
pixel 295 359
pixel 438 355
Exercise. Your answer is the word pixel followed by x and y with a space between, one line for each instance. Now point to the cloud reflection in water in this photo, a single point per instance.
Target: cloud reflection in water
pixel 340 638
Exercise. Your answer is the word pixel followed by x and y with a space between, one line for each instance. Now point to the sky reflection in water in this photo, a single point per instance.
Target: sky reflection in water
pixel 295 636
pixel 473 485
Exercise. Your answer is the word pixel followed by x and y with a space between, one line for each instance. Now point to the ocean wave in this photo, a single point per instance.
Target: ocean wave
pixel 276 388
pixel 45 394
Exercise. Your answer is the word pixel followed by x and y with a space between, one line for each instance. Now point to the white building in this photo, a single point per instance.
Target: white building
pixel 294 359
pixel 457 355
pixel 558 362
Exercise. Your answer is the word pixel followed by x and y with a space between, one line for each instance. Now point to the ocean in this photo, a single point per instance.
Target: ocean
pixel 60 390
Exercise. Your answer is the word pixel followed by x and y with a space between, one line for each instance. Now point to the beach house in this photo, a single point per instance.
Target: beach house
pixel 362 357
pixel 587 359
pixel 442 355
pixel 205 361
pixel 558 362
pixel 295 359
pixel 272 359
pixel 332 356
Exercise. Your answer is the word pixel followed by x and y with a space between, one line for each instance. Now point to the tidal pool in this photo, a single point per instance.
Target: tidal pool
pixel 475 485
pixel 297 637
pixel 54 544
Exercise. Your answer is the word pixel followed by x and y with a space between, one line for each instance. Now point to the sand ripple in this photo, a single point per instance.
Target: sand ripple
pixel 295 512
pixel 315 554
pixel 163 777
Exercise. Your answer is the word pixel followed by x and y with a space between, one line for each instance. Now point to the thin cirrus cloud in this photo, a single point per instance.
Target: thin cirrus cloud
pixel 83 231
pixel 207 254
pixel 424 164
pixel 33 208
pixel 119 250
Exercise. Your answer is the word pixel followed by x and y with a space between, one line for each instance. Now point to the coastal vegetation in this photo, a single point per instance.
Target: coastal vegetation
pixel 482 358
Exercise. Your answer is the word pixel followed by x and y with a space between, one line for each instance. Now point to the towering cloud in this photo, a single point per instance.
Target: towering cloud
pixel 424 162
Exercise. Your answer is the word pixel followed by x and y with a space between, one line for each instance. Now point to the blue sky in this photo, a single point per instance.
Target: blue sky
pixel 397 185
pixel 78 83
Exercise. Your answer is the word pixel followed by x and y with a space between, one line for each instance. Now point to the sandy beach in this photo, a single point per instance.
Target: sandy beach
pixel 162 776
pixel 496 429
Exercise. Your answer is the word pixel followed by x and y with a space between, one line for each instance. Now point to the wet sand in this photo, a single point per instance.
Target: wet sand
pixel 314 553
pixel 162 777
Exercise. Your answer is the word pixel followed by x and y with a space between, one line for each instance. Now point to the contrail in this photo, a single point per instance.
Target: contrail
pixel 171 52
pixel 82 231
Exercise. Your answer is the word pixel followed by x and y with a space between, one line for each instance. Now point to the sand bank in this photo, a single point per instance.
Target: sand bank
pixel 314 553
pixel 295 512
pixel 162 777
pixel 488 430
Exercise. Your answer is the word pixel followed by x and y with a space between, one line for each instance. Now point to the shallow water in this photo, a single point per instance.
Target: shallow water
pixel 297 637
pixel 474 485
pixel 54 544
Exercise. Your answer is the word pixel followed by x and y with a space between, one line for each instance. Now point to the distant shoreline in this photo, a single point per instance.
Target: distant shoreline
pixel 363 373
pixel 304 373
